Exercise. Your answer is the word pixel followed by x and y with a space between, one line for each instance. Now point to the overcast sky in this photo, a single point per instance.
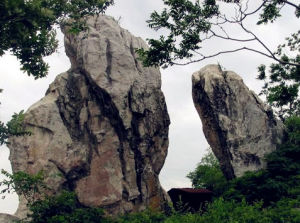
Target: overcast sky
pixel 187 141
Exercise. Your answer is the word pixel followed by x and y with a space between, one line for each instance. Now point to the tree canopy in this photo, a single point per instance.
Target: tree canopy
pixel 191 23
pixel 27 27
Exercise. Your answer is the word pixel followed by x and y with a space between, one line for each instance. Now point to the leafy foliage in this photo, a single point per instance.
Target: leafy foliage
pixel 44 208
pixel 27 27
pixel 190 23
pixel 221 211
pixel 282 84
pixel 146 216
pixel 208 175
pixel 285 210
pixel 14 127
pixel 30 186
pixel 63 208
pixel 184 20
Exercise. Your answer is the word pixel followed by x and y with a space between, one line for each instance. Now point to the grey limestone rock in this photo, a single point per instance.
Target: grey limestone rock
pixel 102 128
pixel 238 126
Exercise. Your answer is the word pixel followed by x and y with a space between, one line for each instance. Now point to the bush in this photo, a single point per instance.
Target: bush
pixel 208 175
pixel 285 210
pixel 63 208
pixel 232 211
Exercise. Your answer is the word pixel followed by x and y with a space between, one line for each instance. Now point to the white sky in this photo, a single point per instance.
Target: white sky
pixel 187 142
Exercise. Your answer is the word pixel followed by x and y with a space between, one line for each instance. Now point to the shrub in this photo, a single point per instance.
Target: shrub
pixel 63 208
pixel 208 175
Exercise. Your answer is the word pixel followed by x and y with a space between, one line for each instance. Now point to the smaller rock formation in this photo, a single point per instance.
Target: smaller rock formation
pixel 240 129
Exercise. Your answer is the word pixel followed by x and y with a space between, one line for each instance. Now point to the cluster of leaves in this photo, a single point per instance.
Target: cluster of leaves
pixel 209 175
pixel 191 23
pixel 184 20
pixel 14 127
pixel 283 80
pixel 63 208
pixel 221 211
pixel 27 27
pixel 44 208
pixel 30 186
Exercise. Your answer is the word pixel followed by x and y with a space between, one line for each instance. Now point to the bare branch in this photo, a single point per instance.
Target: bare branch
pixel 233 51
pixel 230 38
pixel 292 4
pixel 258 40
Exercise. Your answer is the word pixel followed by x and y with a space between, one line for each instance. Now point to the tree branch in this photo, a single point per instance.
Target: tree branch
pixel 230 38
pixel 233 51
pixel 292 4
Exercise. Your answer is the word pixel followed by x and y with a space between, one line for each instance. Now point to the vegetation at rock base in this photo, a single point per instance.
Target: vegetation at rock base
pixel 208 174
pixel 267 196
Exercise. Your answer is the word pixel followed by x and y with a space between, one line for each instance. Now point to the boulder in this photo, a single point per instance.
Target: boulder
pixel 102 128
pixel 238 126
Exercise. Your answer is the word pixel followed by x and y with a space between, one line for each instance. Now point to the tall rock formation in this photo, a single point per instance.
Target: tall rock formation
pixel 102 128
pixel 237 125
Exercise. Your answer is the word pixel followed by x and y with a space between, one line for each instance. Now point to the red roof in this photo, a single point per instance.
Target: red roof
pixel 193 190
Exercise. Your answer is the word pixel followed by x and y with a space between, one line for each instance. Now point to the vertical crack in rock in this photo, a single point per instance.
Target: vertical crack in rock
pixel 134 143
pixel 132 51
pixel 240 129
pixel 108 60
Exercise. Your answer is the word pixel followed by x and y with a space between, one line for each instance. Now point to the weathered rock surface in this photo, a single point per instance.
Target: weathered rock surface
pixel 237 125
pixel 7 218
pixel 102 128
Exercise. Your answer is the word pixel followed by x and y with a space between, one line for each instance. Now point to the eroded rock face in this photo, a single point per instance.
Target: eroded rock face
pixel 102 128
pixel 237 125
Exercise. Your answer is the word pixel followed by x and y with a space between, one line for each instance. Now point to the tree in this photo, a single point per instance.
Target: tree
pixel 281 86
pixel 190 24
pixel 27 27
pixel 208 175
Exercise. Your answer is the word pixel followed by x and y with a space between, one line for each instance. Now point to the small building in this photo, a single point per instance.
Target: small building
pixel 189 199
